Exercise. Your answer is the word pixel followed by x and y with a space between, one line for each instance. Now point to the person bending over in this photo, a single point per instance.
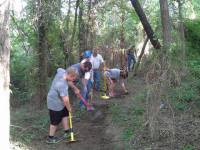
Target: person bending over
pixel 112 77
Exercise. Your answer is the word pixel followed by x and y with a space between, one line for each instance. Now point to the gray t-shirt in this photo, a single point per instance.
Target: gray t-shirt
pixel 113 73
pixel 78 68
pixel 59 88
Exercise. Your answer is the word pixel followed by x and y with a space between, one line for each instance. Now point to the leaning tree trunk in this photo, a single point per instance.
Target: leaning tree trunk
pixel 4 74
pixel 42 52
pixel 140 57
pixel 145 23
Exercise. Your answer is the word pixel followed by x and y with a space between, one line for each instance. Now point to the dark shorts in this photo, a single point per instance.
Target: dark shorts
pixel 56 116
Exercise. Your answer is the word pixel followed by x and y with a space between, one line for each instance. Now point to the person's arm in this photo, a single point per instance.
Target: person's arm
pixel 75 89
pixel 67 103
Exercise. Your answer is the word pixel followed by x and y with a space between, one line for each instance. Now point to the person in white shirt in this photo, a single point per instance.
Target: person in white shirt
pixel 97 61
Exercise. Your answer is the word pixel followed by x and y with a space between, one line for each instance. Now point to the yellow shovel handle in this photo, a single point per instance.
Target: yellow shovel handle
pixel 70 126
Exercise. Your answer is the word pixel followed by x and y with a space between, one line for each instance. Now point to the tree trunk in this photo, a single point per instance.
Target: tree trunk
pixel 122 38
pixel 140 56
pixel 4 74
pixel 81 29
pixel 165 24
pixel 71 44
pixel 89 34
pixel 66 39
pixel 42 52
pixel 181 29
pixel 88 25
pixel 145 23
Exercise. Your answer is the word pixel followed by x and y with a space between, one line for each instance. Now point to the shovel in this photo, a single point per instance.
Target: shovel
pixel 89 107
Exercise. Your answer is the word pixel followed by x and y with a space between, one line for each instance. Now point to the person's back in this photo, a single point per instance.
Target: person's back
pixel 113 73
pixel 78 68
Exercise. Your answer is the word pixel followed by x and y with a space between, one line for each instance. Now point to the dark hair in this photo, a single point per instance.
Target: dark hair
pixel 88 64
pixel 124 74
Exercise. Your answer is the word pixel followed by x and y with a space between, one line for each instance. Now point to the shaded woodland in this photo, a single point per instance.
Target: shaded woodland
pixel 162 110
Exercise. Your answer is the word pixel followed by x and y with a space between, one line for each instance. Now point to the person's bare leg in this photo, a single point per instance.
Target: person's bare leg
pixel 65 123
pixel 52 130
pixel 111 88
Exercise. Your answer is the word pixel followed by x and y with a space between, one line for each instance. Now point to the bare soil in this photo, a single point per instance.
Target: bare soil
pixel 95 130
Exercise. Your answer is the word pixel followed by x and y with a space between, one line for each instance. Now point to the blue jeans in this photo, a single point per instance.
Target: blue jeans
pixel 85 91
pixel 130 65
pixel 97 79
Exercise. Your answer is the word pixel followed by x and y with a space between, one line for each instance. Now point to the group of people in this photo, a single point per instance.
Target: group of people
pixel 88 73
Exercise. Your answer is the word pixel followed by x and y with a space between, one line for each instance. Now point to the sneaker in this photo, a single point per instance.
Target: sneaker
pixel 66 136
pixel 53 140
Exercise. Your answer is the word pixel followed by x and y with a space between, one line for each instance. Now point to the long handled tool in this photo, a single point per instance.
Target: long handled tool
pixel 72 139
pixel 89 107
pixel 105 97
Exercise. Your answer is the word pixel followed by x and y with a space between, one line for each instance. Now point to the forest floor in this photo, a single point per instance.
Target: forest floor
pixel 116 124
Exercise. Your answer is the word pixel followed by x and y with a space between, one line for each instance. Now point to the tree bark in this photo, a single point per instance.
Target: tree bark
pixel 71 44
pixel 42 52
pixel 66 39
pixel 89 33
pixel 4 74
pixel 81 36
pixel 145 23
pixel 181 29
pixel 165 24
pixel 140 56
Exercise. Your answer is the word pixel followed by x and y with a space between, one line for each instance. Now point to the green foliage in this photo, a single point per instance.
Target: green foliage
pixel 56 45
pixel 188 147
pixel 127 134
pixel 23 61
pixel 186 93
pixel 28 125
pixel 130 118
pixel 194 67
pixel 192 34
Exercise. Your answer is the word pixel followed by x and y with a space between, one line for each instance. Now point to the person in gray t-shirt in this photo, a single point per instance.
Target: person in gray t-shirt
pixel 58 102
pixel 112 77
pixel 84 75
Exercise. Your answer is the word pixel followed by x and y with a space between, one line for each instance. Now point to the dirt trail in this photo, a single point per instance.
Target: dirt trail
pixel 94 129
pixel 90 128
pixel 97 132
